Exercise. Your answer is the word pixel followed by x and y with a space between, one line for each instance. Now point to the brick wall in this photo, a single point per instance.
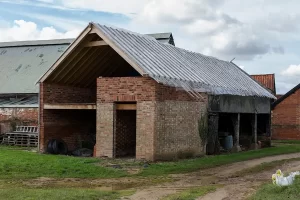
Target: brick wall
pixel 286 118
pixel 53 93
pixel 166 117
pixel 72 126
pixel 9 117
pixel 177 128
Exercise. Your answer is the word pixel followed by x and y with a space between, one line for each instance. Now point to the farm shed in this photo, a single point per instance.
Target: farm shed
pixel 21 65
pixel 286 116
pixel 134 96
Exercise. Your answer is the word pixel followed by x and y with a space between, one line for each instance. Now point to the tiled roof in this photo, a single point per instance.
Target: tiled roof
pixel 267 80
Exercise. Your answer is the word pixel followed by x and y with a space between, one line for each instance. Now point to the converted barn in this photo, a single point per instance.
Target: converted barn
pixel 130 95
pixel 286 116
pixel 22 63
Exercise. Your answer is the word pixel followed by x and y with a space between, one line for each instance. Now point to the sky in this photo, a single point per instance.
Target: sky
pixel 262 36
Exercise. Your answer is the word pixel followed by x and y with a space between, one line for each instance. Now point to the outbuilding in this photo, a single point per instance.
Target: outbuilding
pixel 129 95
pixel 286 116
pixel 22 63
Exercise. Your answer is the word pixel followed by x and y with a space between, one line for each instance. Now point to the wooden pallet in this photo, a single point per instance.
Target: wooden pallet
pixel 23 136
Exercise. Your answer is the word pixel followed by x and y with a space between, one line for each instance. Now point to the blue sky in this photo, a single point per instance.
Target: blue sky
pixel 262 35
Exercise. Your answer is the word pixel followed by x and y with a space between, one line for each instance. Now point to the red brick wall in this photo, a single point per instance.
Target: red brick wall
pixel 72 126
pixel 286 118
pixel 53 93
pixel 137 89
pixel 166 117
pixel 17 116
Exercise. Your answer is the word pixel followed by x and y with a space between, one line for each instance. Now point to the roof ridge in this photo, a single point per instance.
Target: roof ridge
pixel 262 74
pixel 286 95
pixel 152 38
pixel 36 42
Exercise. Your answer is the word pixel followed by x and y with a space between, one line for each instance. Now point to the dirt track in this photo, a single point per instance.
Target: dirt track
pixel 234 187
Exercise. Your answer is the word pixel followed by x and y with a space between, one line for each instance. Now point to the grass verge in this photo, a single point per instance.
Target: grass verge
pixel 184 166
pixel 273 192
pixel 286 141
pixel 20 164
pixel 63 194
pixel 191 193
pixel 16 190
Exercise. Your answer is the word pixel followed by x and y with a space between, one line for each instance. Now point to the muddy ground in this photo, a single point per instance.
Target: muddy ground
pixel 232 187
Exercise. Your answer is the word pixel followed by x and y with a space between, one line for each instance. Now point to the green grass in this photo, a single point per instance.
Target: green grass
pixel 191 193
pixel 273 192
pixel 184 166
pixel 19 164
pixel 286 141
pixel 17 190
pixel 62 194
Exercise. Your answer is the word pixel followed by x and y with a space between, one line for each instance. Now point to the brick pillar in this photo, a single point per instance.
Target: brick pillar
pixel 145 130
pixel 42 145
pixel 106 113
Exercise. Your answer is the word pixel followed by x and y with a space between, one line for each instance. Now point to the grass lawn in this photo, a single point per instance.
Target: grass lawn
pixel 20 164
pixel 62 194
pixel 190 165
pixel 286 141
pixel 273 192
pixel 191 193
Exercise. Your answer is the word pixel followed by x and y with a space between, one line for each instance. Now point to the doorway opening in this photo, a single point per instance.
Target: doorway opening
pixel 125 132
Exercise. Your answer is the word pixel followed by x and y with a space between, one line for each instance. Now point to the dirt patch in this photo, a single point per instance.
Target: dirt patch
pixel 234 187
pixel 100 184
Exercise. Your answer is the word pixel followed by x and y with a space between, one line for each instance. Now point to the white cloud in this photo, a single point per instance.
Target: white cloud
pixel 205 23
pixel 292 70
pixel 127 7
pixel 242 67
pixel 30 31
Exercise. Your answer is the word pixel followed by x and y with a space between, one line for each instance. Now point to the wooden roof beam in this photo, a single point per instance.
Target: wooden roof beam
pixel 96 43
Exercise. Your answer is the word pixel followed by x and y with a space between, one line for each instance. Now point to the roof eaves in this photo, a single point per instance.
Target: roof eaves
pixel 67 51
pixel 36 43
pixel 254 80
pixel 286 95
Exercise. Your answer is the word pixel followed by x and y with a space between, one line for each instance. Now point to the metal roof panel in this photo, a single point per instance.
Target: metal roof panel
pixel 182 68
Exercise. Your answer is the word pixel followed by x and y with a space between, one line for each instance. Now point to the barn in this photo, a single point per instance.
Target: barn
pixel 21 65
pixel 130 95
pixel 286 115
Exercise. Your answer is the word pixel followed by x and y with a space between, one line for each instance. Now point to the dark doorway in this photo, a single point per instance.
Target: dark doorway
pixel 125 135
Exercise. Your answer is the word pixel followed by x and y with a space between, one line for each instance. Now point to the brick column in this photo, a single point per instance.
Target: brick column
pixel 105 129
pixel 145 130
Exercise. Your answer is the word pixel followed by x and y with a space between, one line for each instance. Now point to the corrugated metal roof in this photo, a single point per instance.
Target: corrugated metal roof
pixel 21 102
pixel 177 67
pixel 166 38
pixel 36 43
pixel 267 80
pixel 23 63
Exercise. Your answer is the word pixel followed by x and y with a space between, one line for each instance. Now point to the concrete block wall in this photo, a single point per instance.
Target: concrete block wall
pixel 286 118
pixel 10 117
pixel 167 118
pixel 72 126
